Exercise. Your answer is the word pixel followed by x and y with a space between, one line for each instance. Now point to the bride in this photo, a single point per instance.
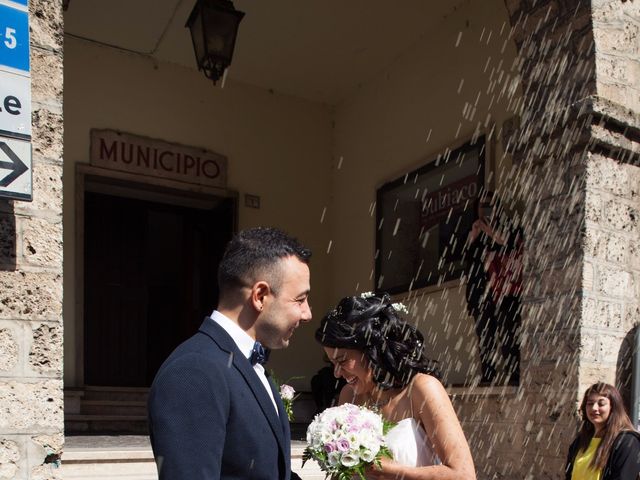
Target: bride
pixel 382 359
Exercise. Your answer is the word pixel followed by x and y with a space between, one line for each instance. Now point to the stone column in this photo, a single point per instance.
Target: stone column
pixel 31 392
pixel 575 153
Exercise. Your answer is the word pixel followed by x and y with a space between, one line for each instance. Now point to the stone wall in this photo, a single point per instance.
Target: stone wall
pixel 575 153
pixel 31 399
pixel 611 309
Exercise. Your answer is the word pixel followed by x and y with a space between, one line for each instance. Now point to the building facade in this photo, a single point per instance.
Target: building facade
pixel 553 87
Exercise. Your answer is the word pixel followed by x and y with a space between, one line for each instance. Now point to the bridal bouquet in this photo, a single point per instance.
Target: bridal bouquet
pixel 345 440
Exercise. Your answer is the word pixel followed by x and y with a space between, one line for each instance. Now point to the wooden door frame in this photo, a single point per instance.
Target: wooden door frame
pixel 180 190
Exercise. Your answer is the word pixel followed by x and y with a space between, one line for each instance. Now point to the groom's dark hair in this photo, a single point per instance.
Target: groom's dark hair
pixel 255 254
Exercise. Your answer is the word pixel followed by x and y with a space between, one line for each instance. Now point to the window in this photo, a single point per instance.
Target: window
pixel 423 219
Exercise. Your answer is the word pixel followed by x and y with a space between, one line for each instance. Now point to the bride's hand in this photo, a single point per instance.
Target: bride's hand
pixel 388 469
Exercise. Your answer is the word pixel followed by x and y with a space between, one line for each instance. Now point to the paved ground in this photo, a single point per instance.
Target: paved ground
pixel 122 442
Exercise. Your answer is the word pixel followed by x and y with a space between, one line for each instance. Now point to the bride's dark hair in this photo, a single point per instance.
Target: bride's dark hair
pixel 372 325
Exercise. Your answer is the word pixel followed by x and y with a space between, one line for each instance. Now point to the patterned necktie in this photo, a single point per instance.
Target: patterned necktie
pixel 259 354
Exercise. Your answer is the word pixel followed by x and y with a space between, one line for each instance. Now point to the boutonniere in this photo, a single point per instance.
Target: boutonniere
pixel 288 395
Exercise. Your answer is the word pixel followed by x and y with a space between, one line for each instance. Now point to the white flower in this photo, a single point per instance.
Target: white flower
pixel 333 458
pixel 287 392
pixel 343 439
pixel 367 455
pixel 349 459
pixel 398 306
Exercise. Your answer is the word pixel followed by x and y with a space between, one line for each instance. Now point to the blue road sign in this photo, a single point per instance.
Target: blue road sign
pixel 14 37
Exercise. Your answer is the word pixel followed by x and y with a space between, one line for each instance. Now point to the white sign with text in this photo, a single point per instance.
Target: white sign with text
pixel 15 105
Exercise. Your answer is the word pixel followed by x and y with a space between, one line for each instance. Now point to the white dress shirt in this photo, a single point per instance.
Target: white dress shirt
pixel 245 345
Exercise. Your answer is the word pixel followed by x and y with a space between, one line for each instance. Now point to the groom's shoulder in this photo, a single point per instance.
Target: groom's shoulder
pixel 198 349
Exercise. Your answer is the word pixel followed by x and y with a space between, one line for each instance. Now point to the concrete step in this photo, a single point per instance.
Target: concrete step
pixel 113 407
pixel 311 470
pixel 129 457
pixel 102 457
pixel 130 394
pixel 97 424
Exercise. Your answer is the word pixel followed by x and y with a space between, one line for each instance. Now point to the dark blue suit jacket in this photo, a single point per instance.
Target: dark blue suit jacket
pixel 210 417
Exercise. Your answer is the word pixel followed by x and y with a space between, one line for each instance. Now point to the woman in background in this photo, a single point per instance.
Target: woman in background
pixel 382 359
pixel 607 446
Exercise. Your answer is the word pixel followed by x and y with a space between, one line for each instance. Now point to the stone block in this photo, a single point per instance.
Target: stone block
pixel 631 316
pixel 621 216
pixel 598 347
pixel 614 70
pixel 617 250
pixel 41 243
pixel 48 129
pixel 47 192
pixel 618 38
pixel 9 350
pixel 634 255
pixel 32 407
pixel 546 346
pixel 30 296
pixel 595 242
pixel 588 276
pixel 10 459
pixel 556 313
pixel 602 314
pixel 619 93
pixel 46 24
pixel 46 472
pixel 591 373
pixel 46 77
pixel 565 278
pixel 7 239
pixel 46 352
pixel 593 207
pixel 40 448
pixel 614 282
pixel 606 174
pixel 552 379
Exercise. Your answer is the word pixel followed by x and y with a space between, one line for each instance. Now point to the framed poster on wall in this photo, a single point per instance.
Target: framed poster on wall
pixel 424 217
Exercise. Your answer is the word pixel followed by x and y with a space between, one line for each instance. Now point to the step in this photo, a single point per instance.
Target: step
pixel 131 394
pixel 113 407
pixel 129 457
pixel 105 457
pixel 93 424
pixel 311 470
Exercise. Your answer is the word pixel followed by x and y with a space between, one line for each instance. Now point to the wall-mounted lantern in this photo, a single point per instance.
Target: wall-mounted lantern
pixel 214 26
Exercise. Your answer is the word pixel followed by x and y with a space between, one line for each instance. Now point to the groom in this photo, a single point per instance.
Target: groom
pixel 213 411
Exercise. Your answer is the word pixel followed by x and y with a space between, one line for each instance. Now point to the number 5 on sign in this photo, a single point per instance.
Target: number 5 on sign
pixel 14 38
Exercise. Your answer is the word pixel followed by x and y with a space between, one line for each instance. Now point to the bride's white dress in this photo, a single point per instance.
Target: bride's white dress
pixel 410 444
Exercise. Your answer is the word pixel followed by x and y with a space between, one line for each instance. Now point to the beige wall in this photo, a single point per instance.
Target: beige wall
pixel 285 150
pixel 278 147
pixel 399 121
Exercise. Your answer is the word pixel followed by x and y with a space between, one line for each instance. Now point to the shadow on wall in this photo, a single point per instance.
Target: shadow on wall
pixel 624 367
pixel 7 236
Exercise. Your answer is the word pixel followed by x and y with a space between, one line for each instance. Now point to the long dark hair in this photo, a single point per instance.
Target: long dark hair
pixel 394 348
pixel 617 422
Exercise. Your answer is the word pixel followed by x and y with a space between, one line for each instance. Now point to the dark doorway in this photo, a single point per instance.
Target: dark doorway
pixel 150 278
